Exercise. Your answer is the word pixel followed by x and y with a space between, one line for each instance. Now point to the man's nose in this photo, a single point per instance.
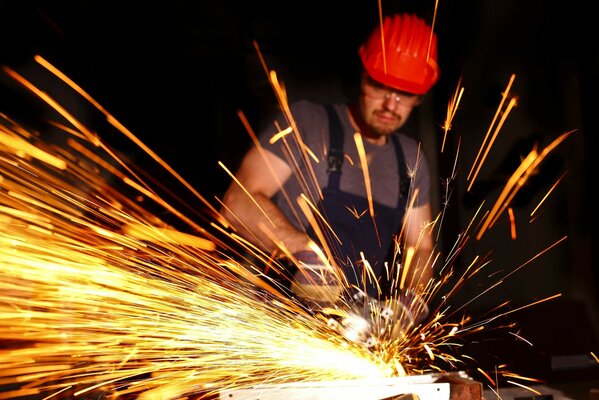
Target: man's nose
pixel 390 101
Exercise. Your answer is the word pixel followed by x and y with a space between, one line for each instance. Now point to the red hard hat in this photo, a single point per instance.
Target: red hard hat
pixel 408 63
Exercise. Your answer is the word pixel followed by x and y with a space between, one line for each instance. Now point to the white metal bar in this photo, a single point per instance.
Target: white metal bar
pixel 348 390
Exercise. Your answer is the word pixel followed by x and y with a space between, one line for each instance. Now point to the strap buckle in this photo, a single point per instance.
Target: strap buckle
pixel 335 161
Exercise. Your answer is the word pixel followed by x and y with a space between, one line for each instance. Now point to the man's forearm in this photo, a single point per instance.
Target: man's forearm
pixel 265 226
pixel 422 269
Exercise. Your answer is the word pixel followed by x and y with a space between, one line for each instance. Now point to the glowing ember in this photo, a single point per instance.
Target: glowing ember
pixel 97 293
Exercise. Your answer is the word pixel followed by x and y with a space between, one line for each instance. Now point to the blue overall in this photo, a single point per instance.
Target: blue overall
pixel 360 235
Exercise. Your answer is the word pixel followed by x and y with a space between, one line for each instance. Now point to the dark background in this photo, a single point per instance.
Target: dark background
pixel 177 73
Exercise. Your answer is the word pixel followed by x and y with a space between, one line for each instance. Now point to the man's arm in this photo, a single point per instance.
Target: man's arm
pixel 418 236
pixel 261 179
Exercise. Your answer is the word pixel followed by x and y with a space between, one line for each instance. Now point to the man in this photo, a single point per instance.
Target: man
pixel 359 203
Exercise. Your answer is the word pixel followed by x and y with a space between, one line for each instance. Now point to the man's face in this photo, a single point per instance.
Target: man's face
pixel 384 109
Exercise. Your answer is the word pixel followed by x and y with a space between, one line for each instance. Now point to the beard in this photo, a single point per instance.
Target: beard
pixel 375 123
pixel 380 124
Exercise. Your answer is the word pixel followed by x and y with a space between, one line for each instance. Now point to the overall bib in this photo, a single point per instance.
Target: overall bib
pixel 359 234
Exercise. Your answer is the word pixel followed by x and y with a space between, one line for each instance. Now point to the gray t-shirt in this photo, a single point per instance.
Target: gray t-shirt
pixel 311 165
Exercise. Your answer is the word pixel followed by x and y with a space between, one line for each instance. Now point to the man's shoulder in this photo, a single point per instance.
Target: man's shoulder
pixel 305 106
pixel 411 147
pixel 406 140
pixel 413 153
pixel 310 115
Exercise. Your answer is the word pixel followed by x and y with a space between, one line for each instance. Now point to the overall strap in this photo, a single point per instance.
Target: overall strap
pixel 335 156
pixel 404 177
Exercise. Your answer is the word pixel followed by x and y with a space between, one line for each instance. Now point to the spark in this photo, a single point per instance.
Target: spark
pixel 24 148
pixel 246 192
pixel 521 338
pixel 307 207
pixel 533 212
pixel 452 108
pixel 488 142
pixel 448 188
pixel 517 180
pixel 357 214
pixel 305 153
pixel 364 164
pixel 524 378
pixel 430 40
pixel 383 47
pixel 486 375
pixel 153 234
pixel 113 304
pixel 510 211
pixel 519 309
pixel 280 135
pixel 309 210
pixel 97 293
pixel 262 152
pixel 525 387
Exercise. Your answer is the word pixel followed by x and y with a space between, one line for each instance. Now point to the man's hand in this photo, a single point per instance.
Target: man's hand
pixel 405 311
pixel 368 320
pixel 315 282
